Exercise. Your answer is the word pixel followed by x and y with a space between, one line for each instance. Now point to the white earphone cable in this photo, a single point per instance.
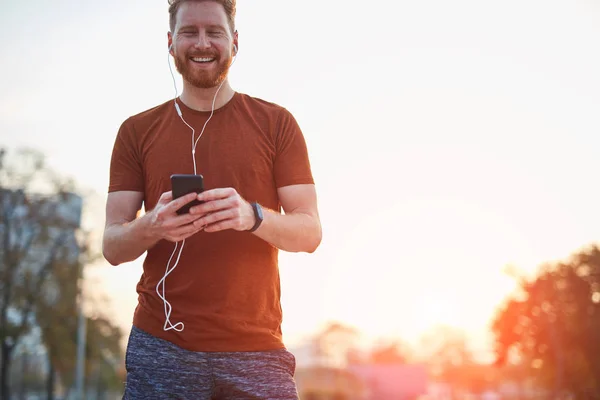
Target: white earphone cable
pixel 179 326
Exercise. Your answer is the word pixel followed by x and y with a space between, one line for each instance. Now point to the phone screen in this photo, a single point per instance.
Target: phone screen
pixel 182 184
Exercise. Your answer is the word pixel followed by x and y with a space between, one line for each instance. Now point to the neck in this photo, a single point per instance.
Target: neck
pixel 201 99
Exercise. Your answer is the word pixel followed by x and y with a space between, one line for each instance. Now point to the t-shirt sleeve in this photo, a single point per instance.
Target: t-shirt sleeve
pixel 126 172
pixel 292 165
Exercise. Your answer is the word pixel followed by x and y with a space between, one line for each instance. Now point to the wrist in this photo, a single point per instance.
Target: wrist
pixel 145 228
pixel 258 217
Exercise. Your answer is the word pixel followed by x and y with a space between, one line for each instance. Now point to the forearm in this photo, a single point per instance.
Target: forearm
pixel 294 232
pixel 126 242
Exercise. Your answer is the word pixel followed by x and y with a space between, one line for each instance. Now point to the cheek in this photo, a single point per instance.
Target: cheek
pixel 223 46
pixel 225 52
pixel 183 45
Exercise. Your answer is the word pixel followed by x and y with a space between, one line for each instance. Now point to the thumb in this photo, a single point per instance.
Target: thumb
pixel 165 198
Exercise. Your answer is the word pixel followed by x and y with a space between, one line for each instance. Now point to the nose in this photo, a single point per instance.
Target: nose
pixel 203 42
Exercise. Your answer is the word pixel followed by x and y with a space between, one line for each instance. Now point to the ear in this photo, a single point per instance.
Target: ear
pixel 170 43
pixel 235 43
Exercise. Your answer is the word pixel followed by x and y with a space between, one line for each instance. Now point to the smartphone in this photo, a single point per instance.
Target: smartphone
pixel 182 184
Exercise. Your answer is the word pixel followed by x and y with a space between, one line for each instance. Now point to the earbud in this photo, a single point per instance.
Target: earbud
pixel 234 50
pixel 170 47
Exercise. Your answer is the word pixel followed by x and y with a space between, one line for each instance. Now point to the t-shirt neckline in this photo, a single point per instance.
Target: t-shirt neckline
pixel 187 110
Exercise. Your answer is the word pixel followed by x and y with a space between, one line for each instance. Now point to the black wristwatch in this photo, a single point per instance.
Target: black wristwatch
pixel 258 215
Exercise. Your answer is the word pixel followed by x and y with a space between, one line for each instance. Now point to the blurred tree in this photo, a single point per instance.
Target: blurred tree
pixel 103 354
pixel 553 325
pixel 395 352
pixel 34 237
pixel 447 349
pixel 41 258
pixel 452 361
pixel 334 344
pixel 58 322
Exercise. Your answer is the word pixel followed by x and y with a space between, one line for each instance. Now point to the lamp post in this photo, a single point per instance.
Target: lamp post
pixel 81 336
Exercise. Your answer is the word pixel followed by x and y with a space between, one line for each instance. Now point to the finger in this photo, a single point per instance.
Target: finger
pixel 213 206
pixel 191 233
pixel 170 220
pixel 166 197
pixel 221 226
pixel 215 217
pixel 181 201
pixel 216 194
pixel 182 220
pixel 184 232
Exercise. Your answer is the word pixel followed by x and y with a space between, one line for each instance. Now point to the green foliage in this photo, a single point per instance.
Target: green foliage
pixel 42 254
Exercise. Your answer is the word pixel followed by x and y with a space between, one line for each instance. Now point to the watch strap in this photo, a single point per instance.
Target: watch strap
pixel 258 216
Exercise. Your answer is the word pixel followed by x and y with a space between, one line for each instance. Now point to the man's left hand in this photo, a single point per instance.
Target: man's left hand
pixel 225 209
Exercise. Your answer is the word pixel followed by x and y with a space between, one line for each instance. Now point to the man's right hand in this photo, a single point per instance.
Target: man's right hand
pixel 165 223
pixel 127 237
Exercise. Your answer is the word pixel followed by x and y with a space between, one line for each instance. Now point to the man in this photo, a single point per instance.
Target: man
pixel 224 293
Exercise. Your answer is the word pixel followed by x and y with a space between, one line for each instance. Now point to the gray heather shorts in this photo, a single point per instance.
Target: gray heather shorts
pixel 157 369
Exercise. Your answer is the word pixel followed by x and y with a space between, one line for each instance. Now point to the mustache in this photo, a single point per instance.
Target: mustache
pixel 203 54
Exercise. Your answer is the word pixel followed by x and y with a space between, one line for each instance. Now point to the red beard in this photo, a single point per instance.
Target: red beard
pixel 201 78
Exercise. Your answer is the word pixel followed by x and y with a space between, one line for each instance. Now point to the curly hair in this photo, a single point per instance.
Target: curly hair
pixel 228 5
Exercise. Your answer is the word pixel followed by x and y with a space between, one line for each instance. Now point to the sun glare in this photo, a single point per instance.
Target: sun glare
pixel 435 309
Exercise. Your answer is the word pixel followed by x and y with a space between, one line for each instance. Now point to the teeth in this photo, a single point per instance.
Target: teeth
pixel 202 59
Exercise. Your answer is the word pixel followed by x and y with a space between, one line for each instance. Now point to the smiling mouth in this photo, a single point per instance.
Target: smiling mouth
pixel 202 60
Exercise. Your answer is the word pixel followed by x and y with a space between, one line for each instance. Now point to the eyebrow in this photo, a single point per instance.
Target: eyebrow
pixel 213 26
pixel 181 28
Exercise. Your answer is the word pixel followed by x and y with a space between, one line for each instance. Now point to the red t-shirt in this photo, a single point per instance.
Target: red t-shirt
pixel 226 287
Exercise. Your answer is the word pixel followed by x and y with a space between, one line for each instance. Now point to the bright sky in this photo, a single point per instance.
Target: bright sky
pixel 447 139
